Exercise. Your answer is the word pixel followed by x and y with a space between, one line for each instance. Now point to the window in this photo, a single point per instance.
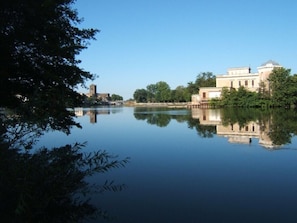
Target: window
pixel 253 83
pixel 204 95
pixel 239 83
pixel 231 84
pixel 246 83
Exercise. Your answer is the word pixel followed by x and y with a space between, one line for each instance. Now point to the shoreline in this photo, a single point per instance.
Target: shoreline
pixel 159 104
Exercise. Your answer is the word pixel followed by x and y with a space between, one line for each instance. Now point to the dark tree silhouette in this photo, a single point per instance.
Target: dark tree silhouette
pixel 39 42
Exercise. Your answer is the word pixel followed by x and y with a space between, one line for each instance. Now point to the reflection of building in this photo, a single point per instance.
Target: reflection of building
pixel 237 134
pixel 93 116
pixel 234 132
pixel 91 112
pixel 235 78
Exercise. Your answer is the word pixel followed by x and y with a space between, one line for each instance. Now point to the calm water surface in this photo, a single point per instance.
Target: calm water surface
pixel 185 166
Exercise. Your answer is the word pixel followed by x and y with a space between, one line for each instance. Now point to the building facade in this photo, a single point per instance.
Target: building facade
pixel 235 78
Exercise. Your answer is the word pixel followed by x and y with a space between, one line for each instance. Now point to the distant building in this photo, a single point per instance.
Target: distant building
pixel 235 78
pixel 93 90
pixel 105 97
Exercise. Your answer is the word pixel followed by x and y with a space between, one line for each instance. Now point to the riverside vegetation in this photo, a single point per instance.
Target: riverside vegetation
pixel 282 92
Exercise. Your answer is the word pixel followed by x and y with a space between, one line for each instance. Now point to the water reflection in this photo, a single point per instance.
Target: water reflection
pixel 160 117
pixel 178 176
pixel 93 112
pixel 272 128
pixel 48 184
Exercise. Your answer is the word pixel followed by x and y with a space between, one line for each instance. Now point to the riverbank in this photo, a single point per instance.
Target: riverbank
pixel 165 104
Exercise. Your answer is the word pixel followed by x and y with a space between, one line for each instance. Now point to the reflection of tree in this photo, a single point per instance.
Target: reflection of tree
pixel 205 131
pixel 162 116
pixel 158 116
pixel 239 115
pixel 283 126
pixel 47 185
pixel 154 116
pixel 161 120
pixel 279 124
pixel 140 116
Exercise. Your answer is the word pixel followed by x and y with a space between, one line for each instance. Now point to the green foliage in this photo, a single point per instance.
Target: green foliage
pixel 241 97
pixel 292 89
pixel 141 95
pixel 151 92
pixel 192 88
pixel 205 79
pixel 161 92
pixel 280 91
pixel 180 94
pixel 282 87
pixel 115 97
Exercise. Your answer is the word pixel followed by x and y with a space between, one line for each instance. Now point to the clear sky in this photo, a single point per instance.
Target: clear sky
pixel 142 42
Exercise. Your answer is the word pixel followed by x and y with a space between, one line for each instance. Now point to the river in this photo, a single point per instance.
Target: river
pixel 191 165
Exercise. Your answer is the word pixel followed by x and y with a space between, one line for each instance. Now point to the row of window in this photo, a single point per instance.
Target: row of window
pixel 245 83
pixel 246 128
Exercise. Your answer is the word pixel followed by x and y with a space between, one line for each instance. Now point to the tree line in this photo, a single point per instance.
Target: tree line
pixel 279 91
pixel 161 91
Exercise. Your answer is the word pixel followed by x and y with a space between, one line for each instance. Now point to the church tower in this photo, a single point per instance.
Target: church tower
pixel 93 90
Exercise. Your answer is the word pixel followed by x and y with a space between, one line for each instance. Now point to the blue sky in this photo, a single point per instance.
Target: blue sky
pixel 142 42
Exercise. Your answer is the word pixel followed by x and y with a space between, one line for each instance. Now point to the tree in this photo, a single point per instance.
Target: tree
pixel 205 79
pixel 115 97
pixel 192 88
pixel 39 44
pixel 279 81
pixel 163 91
pixel 140 95
pixel 151 92
pixel 180 94
pixel 292 89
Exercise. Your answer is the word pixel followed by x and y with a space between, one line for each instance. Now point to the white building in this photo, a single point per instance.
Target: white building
pixel 235 78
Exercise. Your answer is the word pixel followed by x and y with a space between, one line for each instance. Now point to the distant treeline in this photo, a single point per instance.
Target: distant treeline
pixel 281 92
pixel 161 92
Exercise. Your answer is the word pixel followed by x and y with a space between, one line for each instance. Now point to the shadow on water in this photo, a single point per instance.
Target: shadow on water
pixel 48 184
pixel 273 128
